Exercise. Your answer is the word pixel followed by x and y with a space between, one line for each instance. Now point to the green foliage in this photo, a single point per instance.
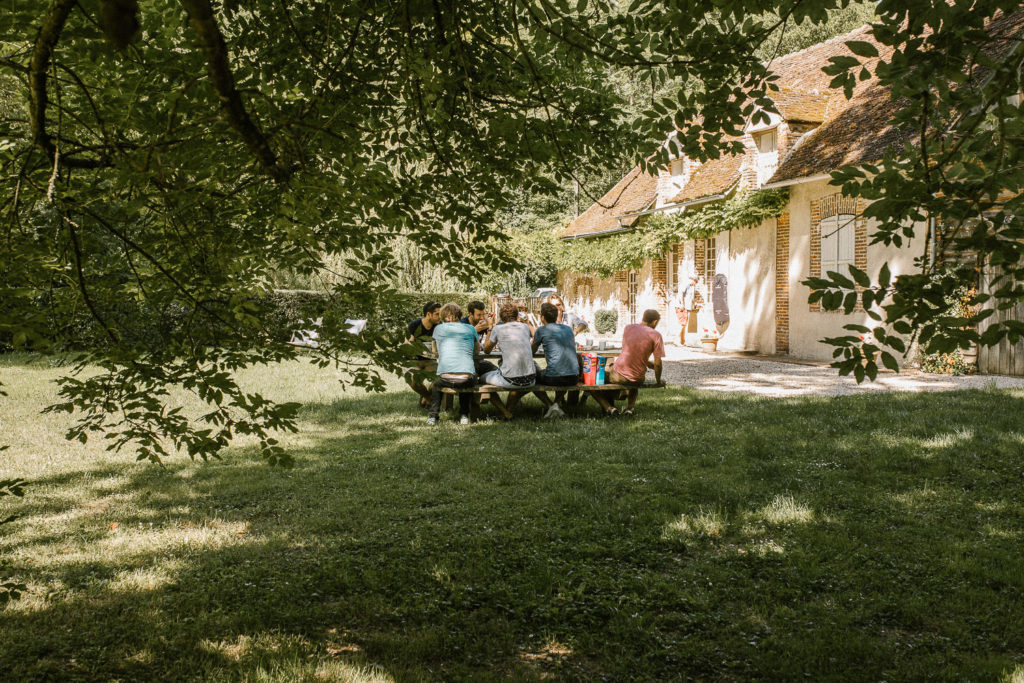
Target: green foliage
pixel 956 181
pixel 10 590
pixel 241 141
pixel 655 233
pixel 606 320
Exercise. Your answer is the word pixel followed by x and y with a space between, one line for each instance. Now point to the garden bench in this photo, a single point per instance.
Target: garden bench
pixel 604 395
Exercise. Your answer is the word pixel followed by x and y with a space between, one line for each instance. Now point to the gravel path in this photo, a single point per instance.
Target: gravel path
pixel 772 377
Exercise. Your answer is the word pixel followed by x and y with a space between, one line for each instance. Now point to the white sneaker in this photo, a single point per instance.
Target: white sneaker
pixel 431 421
pixel 554 411
pixel 464 420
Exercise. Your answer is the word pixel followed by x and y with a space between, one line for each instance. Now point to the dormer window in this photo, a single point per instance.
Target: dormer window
pixel 767 155
pixel 767 142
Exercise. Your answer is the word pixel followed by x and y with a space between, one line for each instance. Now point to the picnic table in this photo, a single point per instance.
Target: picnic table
pixel 605 395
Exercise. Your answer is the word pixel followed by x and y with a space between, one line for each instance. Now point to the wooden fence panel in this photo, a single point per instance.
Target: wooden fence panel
pixel 1004 358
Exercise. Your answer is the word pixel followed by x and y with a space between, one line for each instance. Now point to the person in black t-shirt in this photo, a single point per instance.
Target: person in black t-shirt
pixel 417 330
pixel 424 327
pixel 482 323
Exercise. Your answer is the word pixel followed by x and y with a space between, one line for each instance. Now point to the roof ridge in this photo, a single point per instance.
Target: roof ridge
pixel 832 40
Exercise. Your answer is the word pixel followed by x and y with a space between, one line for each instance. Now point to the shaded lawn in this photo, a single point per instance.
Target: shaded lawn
pixel 712 536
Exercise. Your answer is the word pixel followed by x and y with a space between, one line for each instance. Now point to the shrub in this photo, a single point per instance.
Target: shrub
pixel 946 363
pixel 606 320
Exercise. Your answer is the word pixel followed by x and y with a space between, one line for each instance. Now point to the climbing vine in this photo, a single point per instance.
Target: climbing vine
pixel 657 232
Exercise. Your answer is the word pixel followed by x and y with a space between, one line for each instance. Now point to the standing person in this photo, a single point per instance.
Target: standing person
pixel 565 317
pixel 512 337
pixel 456 345
pixel 563 365
pixel 420 330
pixel 478 319
pixel 683 305
pixel 640 341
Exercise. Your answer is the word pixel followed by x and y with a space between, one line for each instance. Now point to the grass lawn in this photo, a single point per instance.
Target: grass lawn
pixel 873 537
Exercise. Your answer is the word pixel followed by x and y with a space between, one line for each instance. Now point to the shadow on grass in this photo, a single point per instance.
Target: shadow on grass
pixel 860 537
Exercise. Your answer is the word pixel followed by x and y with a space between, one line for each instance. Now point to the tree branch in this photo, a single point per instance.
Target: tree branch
pixel 42 53
pixel 200 14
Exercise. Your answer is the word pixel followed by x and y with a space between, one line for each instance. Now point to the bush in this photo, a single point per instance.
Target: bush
pixel 606 320
pixel 946 364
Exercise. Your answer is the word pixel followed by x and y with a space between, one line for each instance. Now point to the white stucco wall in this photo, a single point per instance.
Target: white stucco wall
pixel 806 327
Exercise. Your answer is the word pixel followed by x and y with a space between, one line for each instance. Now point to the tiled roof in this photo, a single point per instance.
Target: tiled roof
pixel 857 131
pixel 635 192
pixel 714 177
pixel 797 106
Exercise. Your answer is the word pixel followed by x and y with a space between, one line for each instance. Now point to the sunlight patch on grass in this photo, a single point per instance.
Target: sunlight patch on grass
pixel 1015 676
pixel 949 439
pixel 784 510
pixel 766 547
pixel 303 670
pixel 552 651
pixel 705 522
pixel 915 497
pixel 148 578
pixel 210 535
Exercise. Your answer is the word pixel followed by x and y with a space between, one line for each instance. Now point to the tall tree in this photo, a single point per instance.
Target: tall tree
pixel 164 159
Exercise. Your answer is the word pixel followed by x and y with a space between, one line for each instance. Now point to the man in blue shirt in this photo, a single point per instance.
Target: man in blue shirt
pixel 456 344
pixel 563 364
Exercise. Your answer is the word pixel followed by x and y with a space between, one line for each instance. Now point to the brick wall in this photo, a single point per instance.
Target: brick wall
pixel 659 272
pixel 700 249
pixel 621 302
pixel 782 284
pixel 829 206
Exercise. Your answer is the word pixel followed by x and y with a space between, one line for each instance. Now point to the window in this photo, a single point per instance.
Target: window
pixel 767 142
pixel 767 156
pixel 837 236
pixel 710 259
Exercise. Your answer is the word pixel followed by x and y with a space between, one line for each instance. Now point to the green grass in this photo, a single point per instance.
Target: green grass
pixel 873 537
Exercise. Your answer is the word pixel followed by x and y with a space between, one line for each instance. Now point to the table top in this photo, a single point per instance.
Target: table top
pixel 607 353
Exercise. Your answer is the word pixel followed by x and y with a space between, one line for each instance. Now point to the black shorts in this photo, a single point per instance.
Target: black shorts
pixel 558 380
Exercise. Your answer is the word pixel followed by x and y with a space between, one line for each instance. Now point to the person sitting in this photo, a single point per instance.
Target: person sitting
pixel 512 337
pixel 422 330
pixel 640 341
pixel 477 317
pixel 563 365
pixel 566 317
pixel 456 344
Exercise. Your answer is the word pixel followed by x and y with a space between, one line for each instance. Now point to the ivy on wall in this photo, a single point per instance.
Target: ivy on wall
pixel 654 234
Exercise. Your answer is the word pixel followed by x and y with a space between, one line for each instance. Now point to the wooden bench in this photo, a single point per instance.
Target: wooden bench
pixel 604 394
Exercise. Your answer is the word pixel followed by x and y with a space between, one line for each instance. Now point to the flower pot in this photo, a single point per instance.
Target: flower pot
pixel 709 344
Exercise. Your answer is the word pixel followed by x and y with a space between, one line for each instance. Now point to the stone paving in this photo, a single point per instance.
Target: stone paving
pixel 768 376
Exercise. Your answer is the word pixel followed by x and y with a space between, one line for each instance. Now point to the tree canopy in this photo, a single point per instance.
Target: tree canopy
pixel 163 159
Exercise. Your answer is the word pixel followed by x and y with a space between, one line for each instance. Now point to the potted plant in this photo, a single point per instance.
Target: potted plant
pixel 709 338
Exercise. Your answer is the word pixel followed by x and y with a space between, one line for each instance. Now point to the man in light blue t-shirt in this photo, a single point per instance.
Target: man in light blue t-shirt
pixel 563 365
pixel 456 345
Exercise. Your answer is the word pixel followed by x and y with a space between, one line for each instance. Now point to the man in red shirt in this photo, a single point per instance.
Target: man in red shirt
pixel 639 342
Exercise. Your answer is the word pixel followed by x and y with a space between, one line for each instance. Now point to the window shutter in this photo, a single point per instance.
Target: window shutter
pixel 829 242
pixel 845 250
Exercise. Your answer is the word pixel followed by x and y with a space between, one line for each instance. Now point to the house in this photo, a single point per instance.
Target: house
pixel 817 130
